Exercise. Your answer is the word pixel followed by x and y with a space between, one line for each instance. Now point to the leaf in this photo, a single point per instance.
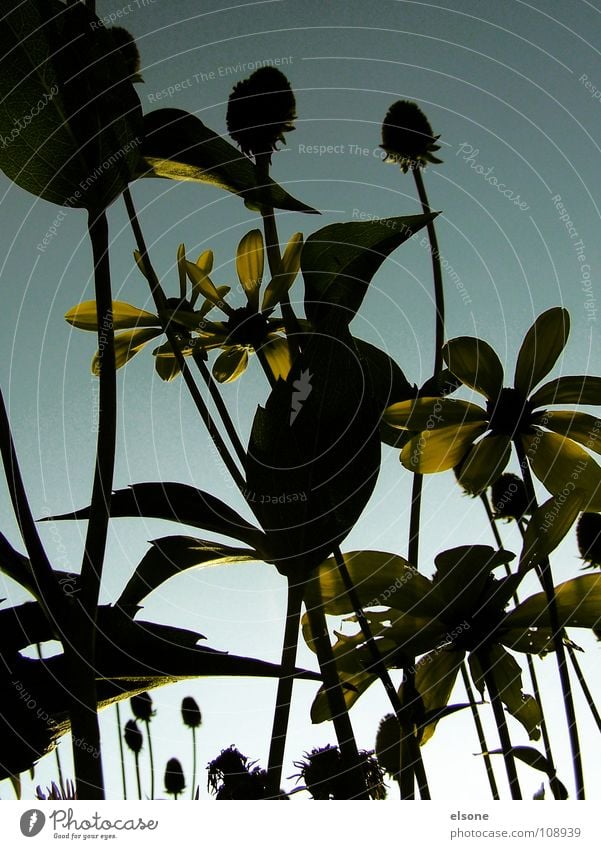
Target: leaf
pixel 535 759
pixel 578 603
pixel 180 147
pixel 314 454
pixel 170 555
pixel 339 261
pixel 476 365
pixel 572 389
pixel 540 349
pixel 177 502
pixel 70 112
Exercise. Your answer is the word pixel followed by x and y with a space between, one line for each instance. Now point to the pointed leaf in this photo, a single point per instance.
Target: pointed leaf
pixel 476 365
pixel 177 502
pixel 125 316
pixel 540 349
pixel 339 261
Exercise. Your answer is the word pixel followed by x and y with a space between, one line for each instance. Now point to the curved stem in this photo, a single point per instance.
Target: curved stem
pixel 546 579
pixel 436 270
pixel 490 774
pixel 284 692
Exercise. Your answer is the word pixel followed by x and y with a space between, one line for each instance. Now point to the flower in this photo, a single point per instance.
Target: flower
pixel 65 792
pixel 250 328
pixel 191 712
pixel 325 778
pixel 233 776
pixel 478 440
pixel 247 329
pixel 407 137
pixel 260 110
pixel 588 534
pixel 175 782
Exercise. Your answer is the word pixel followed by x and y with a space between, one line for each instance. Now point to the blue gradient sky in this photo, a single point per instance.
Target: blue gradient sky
pixel 512 87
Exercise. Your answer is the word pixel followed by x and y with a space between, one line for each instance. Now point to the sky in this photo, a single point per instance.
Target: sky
pixel 514 90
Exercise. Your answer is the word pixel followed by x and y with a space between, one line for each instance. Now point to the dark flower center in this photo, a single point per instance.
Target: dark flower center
pixel 510 413
pixel 246 327
pixel 181 305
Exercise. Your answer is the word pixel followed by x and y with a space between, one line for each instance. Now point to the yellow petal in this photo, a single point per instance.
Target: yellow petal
pixel 205 262
pixel 140 264
pixel 125 316
pixel 540 349
pixel 549 524
pixel 580 427
pixel 127 345
pixel 475 364
pixel 432 413
pixel 249 265
pixel 438 450
pixel 484 463
pixel 277 354
pixel 204 286
pixel 230 364
pixel 207 306
pixel 283 280
pixel 563 466
pixel 167 368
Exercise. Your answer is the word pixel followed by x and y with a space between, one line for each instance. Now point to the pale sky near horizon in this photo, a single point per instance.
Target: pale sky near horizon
pixel 514 90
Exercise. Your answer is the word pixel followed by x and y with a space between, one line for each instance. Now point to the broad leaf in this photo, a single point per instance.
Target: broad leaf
pixel 177 502
pixel 180 147
pixel 170 555
pixel 339 261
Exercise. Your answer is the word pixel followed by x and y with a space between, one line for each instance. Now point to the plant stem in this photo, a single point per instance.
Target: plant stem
pixel 284 692
pixel 546 579
pixel 193 762
pixel 221 407
pixel 137 757
pixel 436 270
pixel 480 732
pixel 382 672
pixel 121 757
pixel 147 722
pixel 585 689
pixel 499 713
pixel 335 695
pixel 160 303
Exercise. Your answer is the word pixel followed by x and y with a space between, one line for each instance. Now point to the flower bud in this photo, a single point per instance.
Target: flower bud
pixel 509 498
pixel 174 777
pixel 260 110
pixel 133 736
pixel 141 707
pixel 407 137
pixel 191 714
pixel 588 535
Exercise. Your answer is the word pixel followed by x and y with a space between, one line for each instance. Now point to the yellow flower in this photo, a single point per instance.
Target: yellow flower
pixel 477 440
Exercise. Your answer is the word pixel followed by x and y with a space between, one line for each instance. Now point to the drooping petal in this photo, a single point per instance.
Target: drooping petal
pixel 572 389
pixel 540 349
pixel 230 364
pixel 580 427
pixel 578 603
pixel 563 466
pixel 125 316
pixel 432 413
pixel 435 676
pixel 277 354
pixel 439 450
pixel 283 280
pixel 484 463
pixel 203 284
pixel 549 524
pixel 475 363
pixel 167 368
pixel 127 345
pixel 249 265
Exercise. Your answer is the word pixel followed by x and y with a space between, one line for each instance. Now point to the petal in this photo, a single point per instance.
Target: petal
pixel 484 463
pixel 125 316
pixel 475 364
pixel 578 603
pixel 249 265
pixel 577 426
pixel 563 466
pixel 283 280
pixel 205 262
pixel 549 524
pixel 127 345
pixel 435 676
pixel 204 286
pixel 573 389
pixel 230 364
pixel 438 450
pixel 167 368
pixel 277 354
pixel 540 349
pixel 432 413
pixel 140 264
pixel 207 306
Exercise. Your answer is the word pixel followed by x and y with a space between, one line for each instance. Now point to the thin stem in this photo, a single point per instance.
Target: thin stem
pixel 160 303
pixel 121 756
pixel 585 689
pixel 436 270
pixel 284 692
pixel 151 758
pixel 490 773
pixel 335 696
pixel 137 757
pixel 221 408
pixel 499 713
pixel 546 579
pixel 193 762
pixel 380 669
